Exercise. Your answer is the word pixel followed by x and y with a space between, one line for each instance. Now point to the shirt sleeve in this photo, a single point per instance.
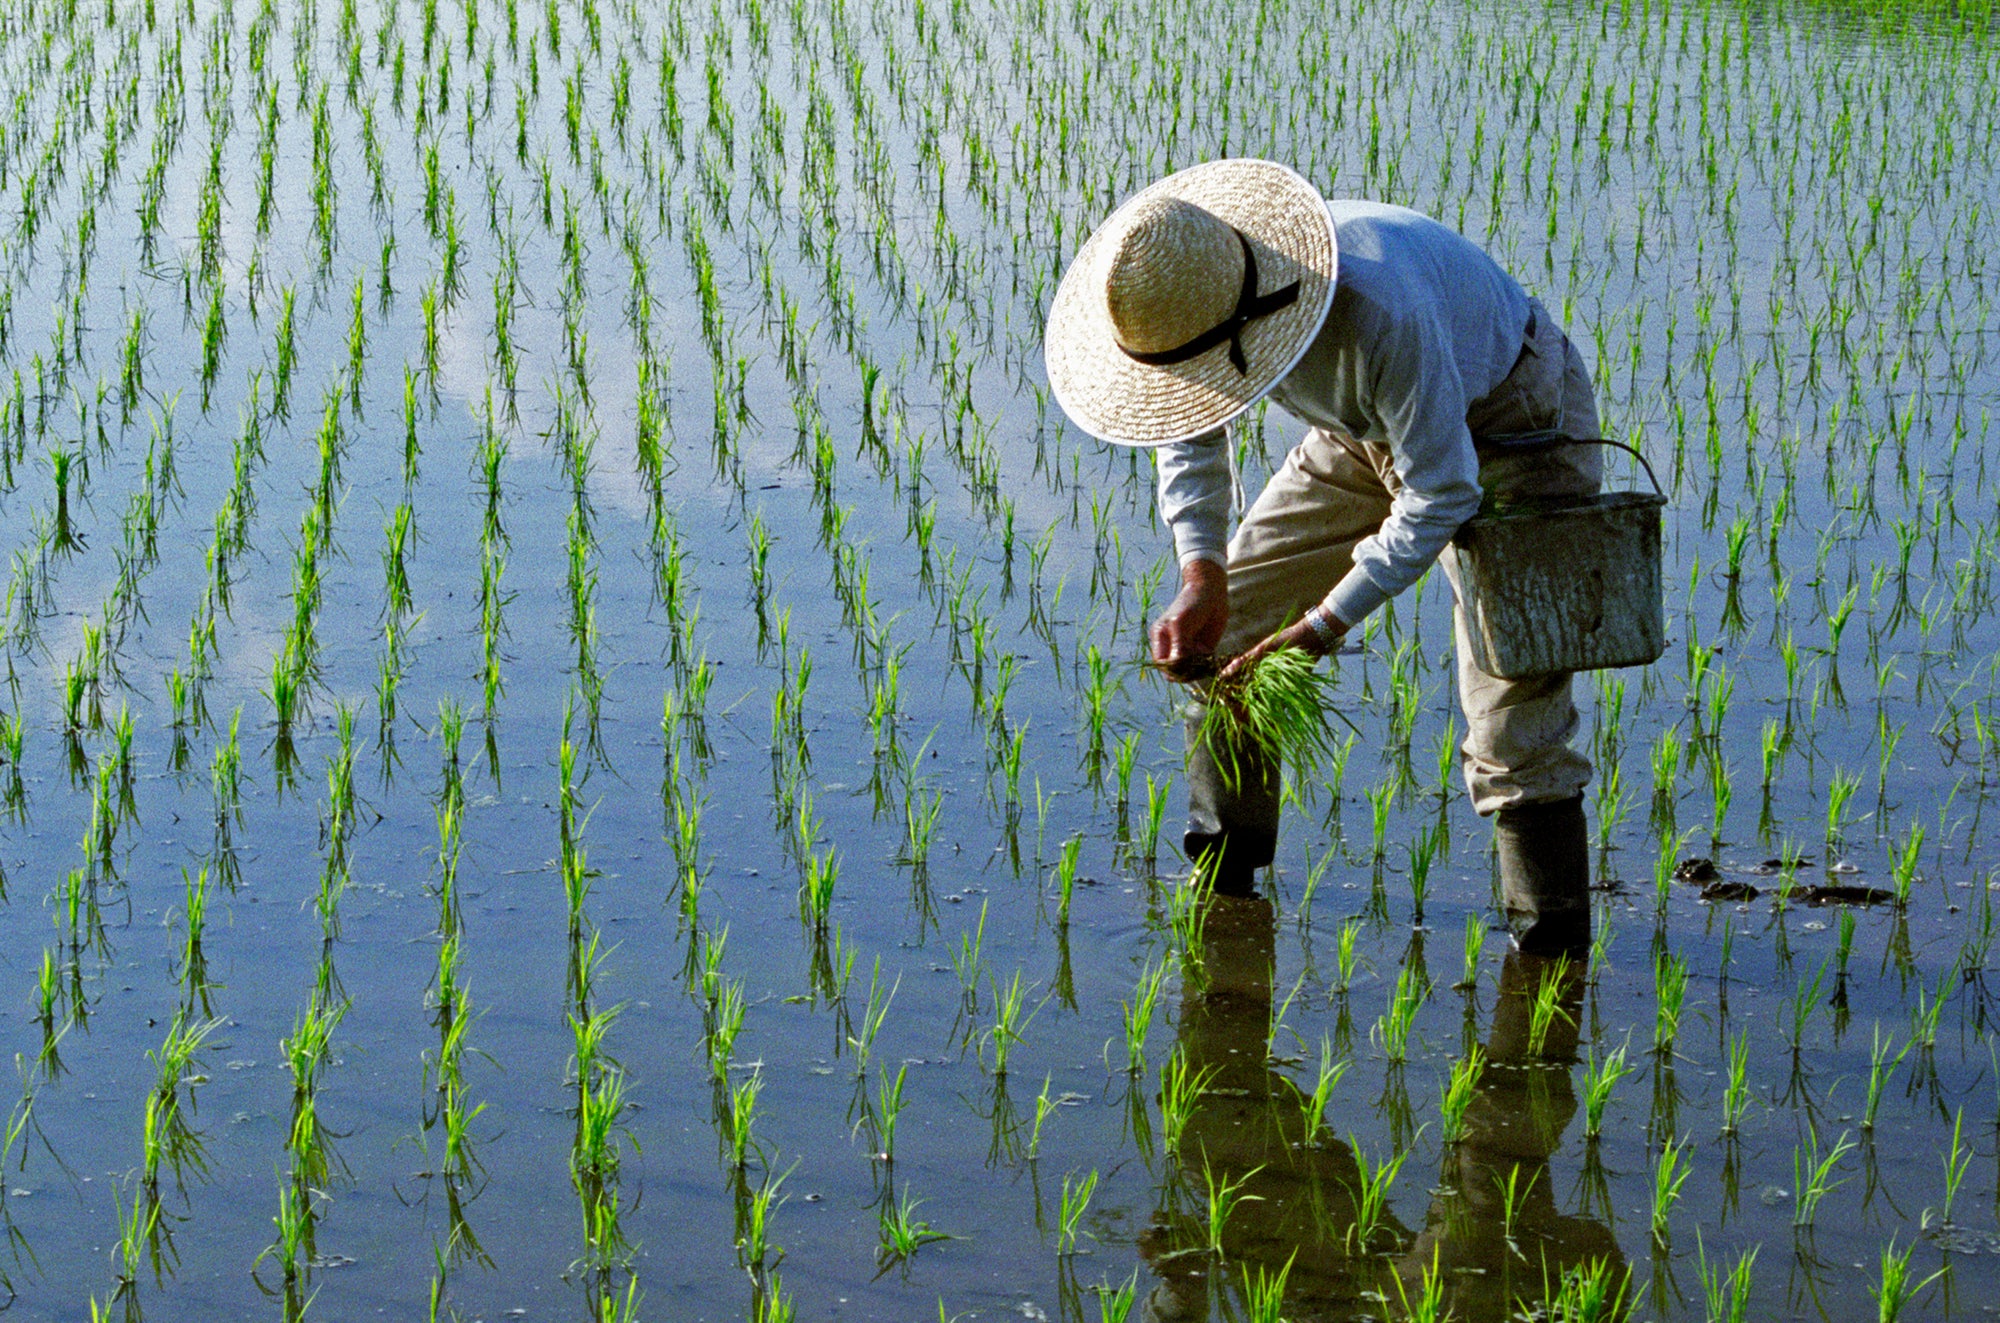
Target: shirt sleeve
pixel 1417 399
pixel 1194 496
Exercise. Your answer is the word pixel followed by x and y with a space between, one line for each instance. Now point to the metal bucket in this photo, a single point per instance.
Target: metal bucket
pixel 1564 584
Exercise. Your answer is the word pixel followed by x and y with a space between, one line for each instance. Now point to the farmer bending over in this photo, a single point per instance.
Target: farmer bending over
pixel 1399 343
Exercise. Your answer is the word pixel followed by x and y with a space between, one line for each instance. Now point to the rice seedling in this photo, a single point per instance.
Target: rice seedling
pixel 1392 1031
pixel 1881 1067
pixel 902 1232
pixel 1726 1294
pixel 1896 1288
pixel 1460 1088
pixel 1223 1197
pixel 1601 1078
pixel 1075 1202
pixel 1592 1290
pixel 1280 704
pixel 1813 1176
pixel 1346 956
pixel 1371 1197
pixel 1956 1160
pixel 1670 980
pixel 1545 1008
pixel 1513 1190
pixel 1138 1012
pixel 1736 1092
pixel 1008 1021
pixel 1332 1069
pixel 1670 1173
pixel 1181 1085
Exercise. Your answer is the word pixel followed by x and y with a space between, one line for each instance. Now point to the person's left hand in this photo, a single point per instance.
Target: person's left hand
pixel 1298 635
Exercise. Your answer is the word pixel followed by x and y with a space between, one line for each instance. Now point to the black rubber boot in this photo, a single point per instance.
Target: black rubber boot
pixel 1232 820
pixel 1545 875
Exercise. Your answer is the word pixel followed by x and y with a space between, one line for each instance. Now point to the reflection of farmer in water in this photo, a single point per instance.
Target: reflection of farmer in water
pixel 1249 1125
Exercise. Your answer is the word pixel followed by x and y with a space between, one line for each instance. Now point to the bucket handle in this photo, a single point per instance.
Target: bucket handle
pixel 1527 443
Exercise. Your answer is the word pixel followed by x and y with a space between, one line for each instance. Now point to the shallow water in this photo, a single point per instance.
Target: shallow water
pixel 1768 236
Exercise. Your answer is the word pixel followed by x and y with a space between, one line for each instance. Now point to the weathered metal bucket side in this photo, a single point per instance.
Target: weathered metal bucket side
pixel 1570 585
pixel 1565 583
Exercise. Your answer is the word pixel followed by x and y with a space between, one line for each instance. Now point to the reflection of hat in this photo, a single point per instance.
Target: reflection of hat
pixel 1193 300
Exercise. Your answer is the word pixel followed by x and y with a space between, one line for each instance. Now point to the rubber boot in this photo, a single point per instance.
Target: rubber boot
pixel 1232 821
pixel 1544 854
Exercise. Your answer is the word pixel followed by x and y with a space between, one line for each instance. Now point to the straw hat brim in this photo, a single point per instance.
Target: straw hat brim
pixel 1118 399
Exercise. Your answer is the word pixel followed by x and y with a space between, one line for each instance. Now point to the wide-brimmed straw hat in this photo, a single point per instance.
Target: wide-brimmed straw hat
pixel 1191 302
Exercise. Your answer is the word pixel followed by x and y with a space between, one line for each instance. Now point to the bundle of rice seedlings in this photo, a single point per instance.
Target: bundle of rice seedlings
pixel 1280 706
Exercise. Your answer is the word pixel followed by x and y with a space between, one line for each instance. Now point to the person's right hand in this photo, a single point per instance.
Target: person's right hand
pixel 1191 626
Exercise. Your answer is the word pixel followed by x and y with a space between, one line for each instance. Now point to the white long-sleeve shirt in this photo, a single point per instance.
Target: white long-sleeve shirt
pixel 1423 323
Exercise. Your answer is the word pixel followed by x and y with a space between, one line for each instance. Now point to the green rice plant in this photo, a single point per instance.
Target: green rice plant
pixel 1392 1031
pixel 1314 876
pixel 1223 1197
pixel 1138 1012
pixel 1008 1021
pixel 1670 980
pixel 1813 1174
pixel 1332 1069
pixel 1279 705
pixel 725 1022
pixel 862 1040
pixel 1601 1077
pixel 1045 1106
pixel 1264 1291
pixel 1422 854
pixel 1459 1090
pixel 1187 919
pixel 1546 1007
pixel 888 1109
pixel 1346 956
pixel 1514 1192
pixel 1181 1086
pixel 738 1116
pixel 1736 1092
pixel 1726 1293
pixel 1840 790
pixel 1475 947
pixel 753 1243
pixel 1114 1303
pixel 816 891
pixel 1156 812
pixel 1956 1160
pixel 1381 799
pixel 297 1207
pixel 1066 878
pixel 1075 1202
pixel 921 810
pixel 1670 1172
pixel 1903 864
pixel 902 1232
pixel 135 1230
pixel 1371 1196
pixel 968 962
pixel 1928 1011
pixel 1895 1288
pixel 1589 1292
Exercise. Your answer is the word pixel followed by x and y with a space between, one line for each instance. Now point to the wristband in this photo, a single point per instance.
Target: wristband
pixel 1323 628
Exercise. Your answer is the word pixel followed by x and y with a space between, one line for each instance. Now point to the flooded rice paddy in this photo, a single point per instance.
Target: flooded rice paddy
pixel 573 743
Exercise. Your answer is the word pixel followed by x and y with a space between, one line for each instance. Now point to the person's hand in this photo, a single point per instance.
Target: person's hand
pixel 1188 630
pixel 1298 635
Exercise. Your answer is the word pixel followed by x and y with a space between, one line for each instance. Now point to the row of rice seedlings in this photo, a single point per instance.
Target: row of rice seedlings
pixel 596 1077
pixel 448 1111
